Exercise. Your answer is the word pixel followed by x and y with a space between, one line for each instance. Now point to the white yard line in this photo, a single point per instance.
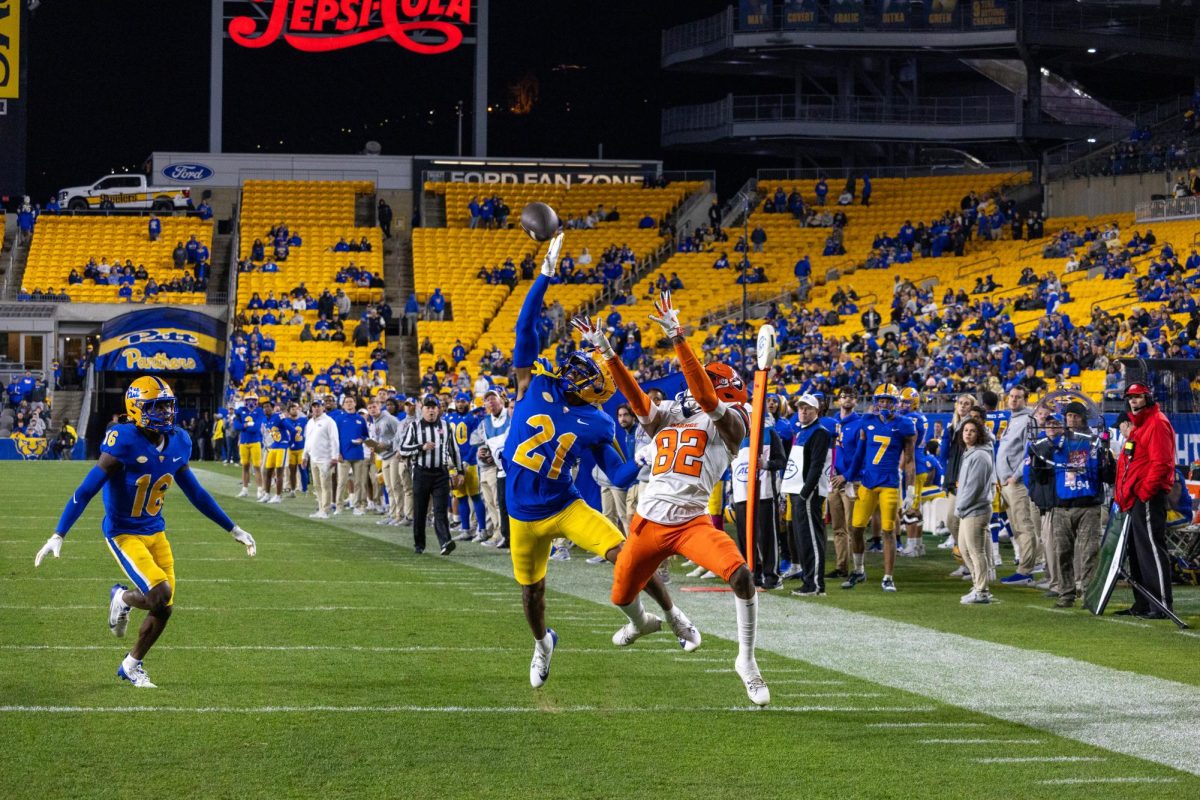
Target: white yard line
pixel 1086 781
pixel 1036 759
pixel 981 741
pixel 406 709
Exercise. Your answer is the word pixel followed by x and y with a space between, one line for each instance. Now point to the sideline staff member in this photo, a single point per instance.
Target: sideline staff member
pixel 1145 473
pixel 429 443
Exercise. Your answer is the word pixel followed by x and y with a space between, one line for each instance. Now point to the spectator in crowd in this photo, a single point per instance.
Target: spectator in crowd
pixel 384 214
pixel 975 490
pixel 435 306
pixel 155 227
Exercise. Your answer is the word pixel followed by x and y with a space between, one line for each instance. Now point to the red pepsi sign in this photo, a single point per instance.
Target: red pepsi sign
pixel 321 26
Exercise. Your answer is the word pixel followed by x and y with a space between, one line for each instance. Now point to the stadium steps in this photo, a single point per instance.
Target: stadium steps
pixel 364 211
pixel 66 408
pixel 12 282
pixel 403 360
pixel 218 274
pixel 435 210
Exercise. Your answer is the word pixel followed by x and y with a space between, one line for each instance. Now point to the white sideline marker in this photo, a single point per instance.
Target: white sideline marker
pixel 1084 781
pixel 982 741
pixel 1036 759
pixel 317 709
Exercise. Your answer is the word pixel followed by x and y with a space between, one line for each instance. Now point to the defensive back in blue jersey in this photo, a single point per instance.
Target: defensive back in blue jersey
pixel 133 498
pixel 544 442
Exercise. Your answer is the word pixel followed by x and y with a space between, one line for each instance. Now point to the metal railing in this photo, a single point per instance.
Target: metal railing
pixel 985 109
pixel 235 253
pixel 740 205
pixel 1168 208
pixel 1007 168
pixel 699 33
pixel 85 409
pixel 978 266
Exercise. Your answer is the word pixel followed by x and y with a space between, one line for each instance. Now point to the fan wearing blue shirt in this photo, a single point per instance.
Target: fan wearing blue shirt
pixel 352 468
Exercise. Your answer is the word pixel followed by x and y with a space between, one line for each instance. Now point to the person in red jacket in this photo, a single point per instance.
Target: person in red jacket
pixel 1145 474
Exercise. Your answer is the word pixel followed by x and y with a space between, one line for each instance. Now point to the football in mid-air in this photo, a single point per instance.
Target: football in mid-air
pixel 540 221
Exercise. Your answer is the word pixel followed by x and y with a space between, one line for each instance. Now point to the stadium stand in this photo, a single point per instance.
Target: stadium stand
pixel 317 215
pixel 63 245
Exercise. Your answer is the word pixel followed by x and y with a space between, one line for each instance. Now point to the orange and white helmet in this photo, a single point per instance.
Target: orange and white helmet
pixel 728 384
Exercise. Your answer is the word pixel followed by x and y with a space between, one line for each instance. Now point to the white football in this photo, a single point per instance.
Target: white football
pixel 766 347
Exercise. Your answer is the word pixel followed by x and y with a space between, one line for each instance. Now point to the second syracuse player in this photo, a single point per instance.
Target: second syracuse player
pixel 695 438
pixel 556 416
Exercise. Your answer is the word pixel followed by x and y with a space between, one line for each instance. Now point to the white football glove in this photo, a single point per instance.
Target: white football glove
pixel 53 545
pixel 245 538
pixel 668 316
pixel 550 262
pixel 591 333
pixel 646 454
pixel 910 495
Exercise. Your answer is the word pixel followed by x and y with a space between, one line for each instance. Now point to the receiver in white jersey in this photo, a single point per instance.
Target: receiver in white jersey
pixel 690 458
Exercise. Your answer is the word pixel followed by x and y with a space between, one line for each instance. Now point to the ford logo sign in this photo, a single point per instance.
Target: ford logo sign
pixel 187 172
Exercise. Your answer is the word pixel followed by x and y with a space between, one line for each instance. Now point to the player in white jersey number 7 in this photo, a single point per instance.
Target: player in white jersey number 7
pixel 695 435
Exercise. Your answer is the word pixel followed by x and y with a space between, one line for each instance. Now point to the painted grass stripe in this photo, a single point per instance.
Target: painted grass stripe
pixel 982 741
pixel 1036 759
pixel 927 724
pixel 319 709
pixel 1085 781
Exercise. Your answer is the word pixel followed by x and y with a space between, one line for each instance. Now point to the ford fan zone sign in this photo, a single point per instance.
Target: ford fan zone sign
pixel 321 26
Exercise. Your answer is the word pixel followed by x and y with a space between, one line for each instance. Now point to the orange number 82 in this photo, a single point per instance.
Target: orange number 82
pixel 681 452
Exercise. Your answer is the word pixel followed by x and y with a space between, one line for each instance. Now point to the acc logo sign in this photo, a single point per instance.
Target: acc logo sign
pixel 187 172
pixel 742 472
pixel 791 470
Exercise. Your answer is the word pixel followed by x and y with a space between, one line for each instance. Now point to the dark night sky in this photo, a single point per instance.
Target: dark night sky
pixel 111 82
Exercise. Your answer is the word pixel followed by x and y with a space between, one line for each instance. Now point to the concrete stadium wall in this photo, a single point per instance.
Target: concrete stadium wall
pixel 1091 197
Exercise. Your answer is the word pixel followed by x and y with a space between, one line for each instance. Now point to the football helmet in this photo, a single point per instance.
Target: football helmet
pixel 728 384
pixel 886 396
pixel 150 404
pixel 910 399
pixel 587 376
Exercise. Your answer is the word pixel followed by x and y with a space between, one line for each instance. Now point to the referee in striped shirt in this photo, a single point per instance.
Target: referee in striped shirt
pixel 429 445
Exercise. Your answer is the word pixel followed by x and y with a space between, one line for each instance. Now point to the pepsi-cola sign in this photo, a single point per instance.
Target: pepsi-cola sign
pixel 321 26
pixel 187 172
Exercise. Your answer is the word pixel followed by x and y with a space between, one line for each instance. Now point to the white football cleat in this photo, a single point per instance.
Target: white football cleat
pixel 118 611
pixel 358 512
pixel 318 515
pixel 959 572
pixel 629 633
pixel 708 575
pixel 697 572
pixel 243 493
pixel 274 499
pixel 756 687
pixel 137 676
pixel 685 632
pixel 889 584
pixel 539 667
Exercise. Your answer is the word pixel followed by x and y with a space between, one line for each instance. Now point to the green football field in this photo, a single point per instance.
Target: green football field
pixel 337 663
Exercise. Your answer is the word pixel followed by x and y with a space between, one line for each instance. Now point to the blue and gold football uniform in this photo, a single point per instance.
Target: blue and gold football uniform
pixel 133 526
pixel 463 425
pixel 278 438
pixel 877 456
pixel 247 423
pixel 544 443
pixel 296 430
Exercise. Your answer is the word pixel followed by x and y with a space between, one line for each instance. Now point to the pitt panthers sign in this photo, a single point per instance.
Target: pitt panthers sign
pixel 427 27
pixel 162 340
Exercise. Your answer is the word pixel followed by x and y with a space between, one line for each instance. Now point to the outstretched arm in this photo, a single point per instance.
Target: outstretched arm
pixel 622 473
pixel 93 482
pixel 525 351
pixel 638 401
pixel 732 427
pixel 199 497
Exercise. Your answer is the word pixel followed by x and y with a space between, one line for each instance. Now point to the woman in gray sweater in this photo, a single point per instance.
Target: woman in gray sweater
pixel 973 506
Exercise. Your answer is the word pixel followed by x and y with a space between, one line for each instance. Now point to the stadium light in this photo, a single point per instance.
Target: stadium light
pixel 1091 141
pixel 1092 50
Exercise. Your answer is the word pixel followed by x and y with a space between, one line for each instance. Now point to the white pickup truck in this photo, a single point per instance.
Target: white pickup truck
pixel 124 191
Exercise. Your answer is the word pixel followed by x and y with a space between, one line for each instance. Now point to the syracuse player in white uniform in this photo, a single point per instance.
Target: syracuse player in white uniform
pixel 695 436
